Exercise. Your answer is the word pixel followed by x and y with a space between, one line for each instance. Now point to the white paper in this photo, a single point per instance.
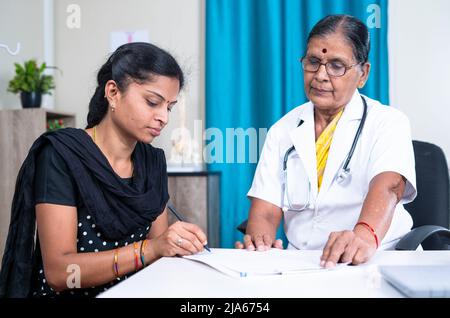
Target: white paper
pixel 117 38
pixel 243 263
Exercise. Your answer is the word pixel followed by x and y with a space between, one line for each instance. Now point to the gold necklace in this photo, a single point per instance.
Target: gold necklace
pixel 94 133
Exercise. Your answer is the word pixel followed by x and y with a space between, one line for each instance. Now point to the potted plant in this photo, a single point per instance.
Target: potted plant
pixel 31 83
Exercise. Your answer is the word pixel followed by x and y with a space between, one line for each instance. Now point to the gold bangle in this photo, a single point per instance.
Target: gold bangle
pixel 116 262
pixel 143 245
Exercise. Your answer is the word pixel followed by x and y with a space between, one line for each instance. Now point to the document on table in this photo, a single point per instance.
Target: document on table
pixel 243 263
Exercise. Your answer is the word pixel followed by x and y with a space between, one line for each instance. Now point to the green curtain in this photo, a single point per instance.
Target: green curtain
pixel 253 77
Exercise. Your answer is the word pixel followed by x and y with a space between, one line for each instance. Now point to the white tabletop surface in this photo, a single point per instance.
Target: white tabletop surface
pixel 175 277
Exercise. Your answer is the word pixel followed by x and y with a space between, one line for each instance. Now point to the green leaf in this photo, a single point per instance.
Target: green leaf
pixel 42 68
pixel 30 78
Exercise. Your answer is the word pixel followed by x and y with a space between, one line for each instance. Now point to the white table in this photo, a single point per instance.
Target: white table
pixel 175 277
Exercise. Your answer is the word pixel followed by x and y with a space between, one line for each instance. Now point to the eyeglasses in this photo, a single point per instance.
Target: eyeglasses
pixel 333 68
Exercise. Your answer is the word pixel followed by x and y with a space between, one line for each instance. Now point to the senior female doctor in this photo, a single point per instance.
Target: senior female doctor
pixel 338 168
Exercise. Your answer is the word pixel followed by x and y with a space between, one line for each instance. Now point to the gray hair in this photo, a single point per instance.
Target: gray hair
pixel 355 32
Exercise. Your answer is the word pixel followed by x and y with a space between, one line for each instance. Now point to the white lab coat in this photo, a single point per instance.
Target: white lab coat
pixel 385 145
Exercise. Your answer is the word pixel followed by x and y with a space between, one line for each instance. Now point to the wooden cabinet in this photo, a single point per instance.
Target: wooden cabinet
pixel 196 196
pixel 19 128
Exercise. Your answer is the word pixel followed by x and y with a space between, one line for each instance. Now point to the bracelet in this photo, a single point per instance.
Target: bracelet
pixel 371 230
pixel 143 244
pixel 136 256
pixel 116 263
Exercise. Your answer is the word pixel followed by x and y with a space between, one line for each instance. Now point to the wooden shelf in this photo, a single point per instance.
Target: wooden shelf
pixel 19 128
pixel 69 118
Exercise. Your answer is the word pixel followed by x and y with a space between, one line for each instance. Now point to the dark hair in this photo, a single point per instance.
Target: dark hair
pixel 136 62
pixel 354 31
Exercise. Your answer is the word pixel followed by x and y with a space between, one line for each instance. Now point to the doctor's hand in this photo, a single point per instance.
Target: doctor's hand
pixel 259 243
pixel 347 247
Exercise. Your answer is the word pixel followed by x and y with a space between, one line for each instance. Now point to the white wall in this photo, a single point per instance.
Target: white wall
pixel 419 67
pixel 174 25
pixel 419 53
pixel 20 21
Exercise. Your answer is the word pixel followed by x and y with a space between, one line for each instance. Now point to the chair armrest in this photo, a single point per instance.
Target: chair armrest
pixel 412 240
pixel 242 227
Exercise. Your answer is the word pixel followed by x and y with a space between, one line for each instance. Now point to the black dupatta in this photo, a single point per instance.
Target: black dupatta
pixel 117 208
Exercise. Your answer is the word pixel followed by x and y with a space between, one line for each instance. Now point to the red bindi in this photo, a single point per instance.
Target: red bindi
pixel 324 50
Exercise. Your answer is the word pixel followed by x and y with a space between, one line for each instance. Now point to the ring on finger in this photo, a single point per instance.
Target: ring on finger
pixel 179 241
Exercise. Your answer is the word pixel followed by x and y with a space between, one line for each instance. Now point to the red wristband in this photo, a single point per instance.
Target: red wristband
pixel 371 230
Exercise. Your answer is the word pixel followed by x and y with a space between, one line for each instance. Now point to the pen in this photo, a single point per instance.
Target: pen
pixel 178 216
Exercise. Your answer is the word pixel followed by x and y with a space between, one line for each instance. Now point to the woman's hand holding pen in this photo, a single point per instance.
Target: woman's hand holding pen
pixel 180 238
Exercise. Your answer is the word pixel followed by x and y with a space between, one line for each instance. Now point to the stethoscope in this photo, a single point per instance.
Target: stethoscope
pixel 343 174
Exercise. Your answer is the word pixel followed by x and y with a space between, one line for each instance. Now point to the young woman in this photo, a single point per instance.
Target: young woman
pixel 98 195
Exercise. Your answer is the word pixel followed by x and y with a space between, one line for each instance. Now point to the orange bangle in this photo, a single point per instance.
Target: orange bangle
pixel 116 263
pixel 143 245
pixel 371 230
pixel 136 256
